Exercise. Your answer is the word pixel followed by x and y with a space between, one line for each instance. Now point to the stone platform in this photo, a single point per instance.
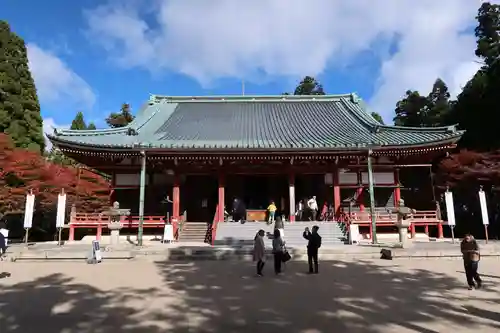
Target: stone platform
pixel 200 251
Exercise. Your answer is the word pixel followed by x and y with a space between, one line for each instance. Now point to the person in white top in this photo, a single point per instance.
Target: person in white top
pixel 313 206
pixel 5 234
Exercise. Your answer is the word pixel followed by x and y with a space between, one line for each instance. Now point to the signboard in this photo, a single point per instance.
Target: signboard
pixel 484 207
pixel 354 234
pixel 348 178
pixel 61 210
pixel 450 208
pixel 29 210
pixel 168 233
pixel 379 178
pixel 96 251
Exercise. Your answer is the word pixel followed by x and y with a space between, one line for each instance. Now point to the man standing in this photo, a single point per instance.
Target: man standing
pixel 470 252
pixel 313 244
pixel 313 207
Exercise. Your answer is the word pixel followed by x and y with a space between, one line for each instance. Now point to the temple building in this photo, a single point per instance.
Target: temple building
pixel 189 157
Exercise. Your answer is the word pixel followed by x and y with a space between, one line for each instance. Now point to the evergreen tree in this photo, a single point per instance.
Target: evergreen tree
pixel 19 107
pixel 488 39
pixel 411 110
pixel 309 86
pixel 91 126
pixel 438 107
pixel 378 117
pixel 122 118
pixel 79 122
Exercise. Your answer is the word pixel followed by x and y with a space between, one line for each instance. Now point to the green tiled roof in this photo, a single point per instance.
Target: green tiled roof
pixel 256 122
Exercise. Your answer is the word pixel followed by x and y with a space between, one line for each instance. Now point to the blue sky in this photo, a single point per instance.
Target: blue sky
pixel 94 55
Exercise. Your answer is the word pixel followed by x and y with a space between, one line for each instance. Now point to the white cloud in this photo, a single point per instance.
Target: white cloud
pixel 48 128
pixel 56 83
pixel 208 40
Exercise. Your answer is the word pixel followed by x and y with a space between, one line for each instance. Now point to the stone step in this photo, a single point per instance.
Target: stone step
pixel 243 234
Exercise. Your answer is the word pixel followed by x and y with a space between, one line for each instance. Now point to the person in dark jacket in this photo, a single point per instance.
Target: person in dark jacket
pixel 470 253
pixel 314 243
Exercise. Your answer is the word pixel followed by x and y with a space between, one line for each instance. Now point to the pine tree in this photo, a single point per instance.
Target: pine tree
pixel 79 122
pixel 19 107
pixel 439 104
pixel 122 118
pixel 309 86
pixel 91 126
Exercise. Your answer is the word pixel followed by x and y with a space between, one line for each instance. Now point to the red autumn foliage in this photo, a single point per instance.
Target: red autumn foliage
pixel 22 170
pixel 470 169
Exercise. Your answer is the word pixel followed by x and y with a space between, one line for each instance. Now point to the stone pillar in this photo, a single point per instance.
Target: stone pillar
pixel 176 208
pixel 403 235
pixel 291 194
pixel 221 198
pixel 114 229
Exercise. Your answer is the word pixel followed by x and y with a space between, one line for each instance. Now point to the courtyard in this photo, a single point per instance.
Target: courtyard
pixel 225 296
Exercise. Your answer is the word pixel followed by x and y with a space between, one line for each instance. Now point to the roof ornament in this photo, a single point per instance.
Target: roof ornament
pixel 451 129
pixel 354 98
pixel 131 132
pixel 375 129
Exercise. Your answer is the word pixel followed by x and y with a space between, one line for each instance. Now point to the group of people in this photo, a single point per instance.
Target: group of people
pixel 280 253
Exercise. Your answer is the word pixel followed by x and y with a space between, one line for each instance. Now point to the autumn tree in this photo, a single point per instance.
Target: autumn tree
pixel 122 118
pixel 19 107
pixel 22 170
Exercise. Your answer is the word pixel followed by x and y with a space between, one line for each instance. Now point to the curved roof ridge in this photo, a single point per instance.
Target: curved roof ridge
pixel 445 129
pixel 103 131
pixel 245 98
pixel 365 119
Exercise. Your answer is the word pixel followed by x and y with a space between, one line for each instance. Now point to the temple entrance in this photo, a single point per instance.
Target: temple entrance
pixel 307 186
pixel 257 192
pixel 199 197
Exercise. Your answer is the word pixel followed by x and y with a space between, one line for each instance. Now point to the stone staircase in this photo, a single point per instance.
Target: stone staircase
pixel 193 232
pixel 242 235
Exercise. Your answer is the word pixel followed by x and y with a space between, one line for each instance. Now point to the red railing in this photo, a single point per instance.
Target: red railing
pixel 421 218
pixel 100 222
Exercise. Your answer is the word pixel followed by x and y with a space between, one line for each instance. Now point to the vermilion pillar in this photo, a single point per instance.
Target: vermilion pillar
pixel 221 197
pixel 360 201
pixel 397 189
pixel 176 204
pixel 291 193
pixel 336 191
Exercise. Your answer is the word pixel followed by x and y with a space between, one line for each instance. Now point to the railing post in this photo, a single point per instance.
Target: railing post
pixel 72 221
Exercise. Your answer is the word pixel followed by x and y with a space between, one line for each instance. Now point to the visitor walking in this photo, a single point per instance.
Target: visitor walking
pixel 313 244
pixel 271 210
pixel 278 251
pixel 3 239
pixel 259 251
pixel 4 231
pixel 312 204
pixel 471 256
pixel 300 210
pixel 280 225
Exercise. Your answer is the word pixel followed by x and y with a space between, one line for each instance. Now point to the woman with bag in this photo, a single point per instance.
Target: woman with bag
pixel 278 251
pixel 259 251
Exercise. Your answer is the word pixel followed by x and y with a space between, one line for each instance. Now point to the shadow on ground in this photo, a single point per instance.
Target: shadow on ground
pixel 344 297
pixel 224 296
